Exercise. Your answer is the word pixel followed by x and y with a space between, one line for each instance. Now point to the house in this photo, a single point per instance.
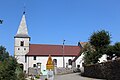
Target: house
pixel 30 55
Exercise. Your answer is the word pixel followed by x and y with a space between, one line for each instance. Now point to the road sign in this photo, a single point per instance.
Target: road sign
pixel 49 65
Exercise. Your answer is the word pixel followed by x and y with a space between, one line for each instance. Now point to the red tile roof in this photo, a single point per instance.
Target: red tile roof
pixel 53 50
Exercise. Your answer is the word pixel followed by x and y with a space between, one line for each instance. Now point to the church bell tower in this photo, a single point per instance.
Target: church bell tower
pixel 22 41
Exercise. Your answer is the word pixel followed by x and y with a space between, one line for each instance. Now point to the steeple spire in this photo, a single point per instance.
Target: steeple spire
pixel 22 30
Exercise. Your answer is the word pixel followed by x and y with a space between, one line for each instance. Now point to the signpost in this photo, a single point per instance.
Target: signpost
pixel 50 67
pixel 50 75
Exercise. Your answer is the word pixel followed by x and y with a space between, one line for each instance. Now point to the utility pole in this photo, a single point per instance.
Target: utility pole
pixel 63 54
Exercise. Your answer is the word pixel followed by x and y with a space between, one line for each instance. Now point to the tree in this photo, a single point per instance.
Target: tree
pixel 3 53
pixel 117 49
pixel 97 46
pixel 20 73
pixel 90 54
pixel 110 51
pixel 7 69
pixel 100 39
pixel 113 50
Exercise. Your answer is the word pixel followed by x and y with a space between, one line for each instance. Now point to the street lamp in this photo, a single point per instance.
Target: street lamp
pixel 63 55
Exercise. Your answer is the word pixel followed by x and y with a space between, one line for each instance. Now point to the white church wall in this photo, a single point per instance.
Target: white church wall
pixel 43 61
pixel 21 50
pixel 20 59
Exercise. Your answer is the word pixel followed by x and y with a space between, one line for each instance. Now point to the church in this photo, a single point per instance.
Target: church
pixel 30 55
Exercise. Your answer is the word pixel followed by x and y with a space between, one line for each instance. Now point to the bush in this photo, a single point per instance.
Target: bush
pixel 37 76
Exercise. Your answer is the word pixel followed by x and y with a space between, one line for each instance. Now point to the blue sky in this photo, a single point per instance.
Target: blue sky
pixel 51 21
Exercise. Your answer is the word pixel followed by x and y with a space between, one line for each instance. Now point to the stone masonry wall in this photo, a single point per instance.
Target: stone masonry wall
pixel 108 70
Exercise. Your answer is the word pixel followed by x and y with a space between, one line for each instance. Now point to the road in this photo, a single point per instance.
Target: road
pixel 74 76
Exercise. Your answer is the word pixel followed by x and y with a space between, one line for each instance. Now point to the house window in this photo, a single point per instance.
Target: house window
pixel 22 43
pixel 24 48
pixel 34 57
pixel 34 65
pixel 70 62
pixel 55 61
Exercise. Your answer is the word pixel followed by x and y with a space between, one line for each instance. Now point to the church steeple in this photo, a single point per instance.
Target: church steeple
pixel 22 30
pixel 22 43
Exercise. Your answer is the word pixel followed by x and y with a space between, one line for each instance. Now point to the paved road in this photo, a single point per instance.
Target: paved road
pixel 74 76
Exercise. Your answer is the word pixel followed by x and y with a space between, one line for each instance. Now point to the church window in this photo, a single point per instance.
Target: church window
pixel 34 57
pixel 22 43
pixel 70 62
pixel 78 66
pixel 55 61
pixel 34 65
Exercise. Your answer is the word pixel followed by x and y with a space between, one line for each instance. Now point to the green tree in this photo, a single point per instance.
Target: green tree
pixel 3 53
pixel 113 50
pixel 110 51
pixel 100 39
pixel 7 69
pixel 98 43
pixel 20 73
pixel 90 54
pixel 117 49
pixel 9 66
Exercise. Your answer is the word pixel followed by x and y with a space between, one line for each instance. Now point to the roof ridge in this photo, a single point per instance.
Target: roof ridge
pixel 53 44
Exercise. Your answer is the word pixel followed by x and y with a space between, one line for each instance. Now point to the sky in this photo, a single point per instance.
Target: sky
pixel 52 21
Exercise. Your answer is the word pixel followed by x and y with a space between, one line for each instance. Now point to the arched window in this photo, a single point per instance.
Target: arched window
pixel 22 43
pixel 70 62
pixel 22 66
pixel 34 65
pixel 55 61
